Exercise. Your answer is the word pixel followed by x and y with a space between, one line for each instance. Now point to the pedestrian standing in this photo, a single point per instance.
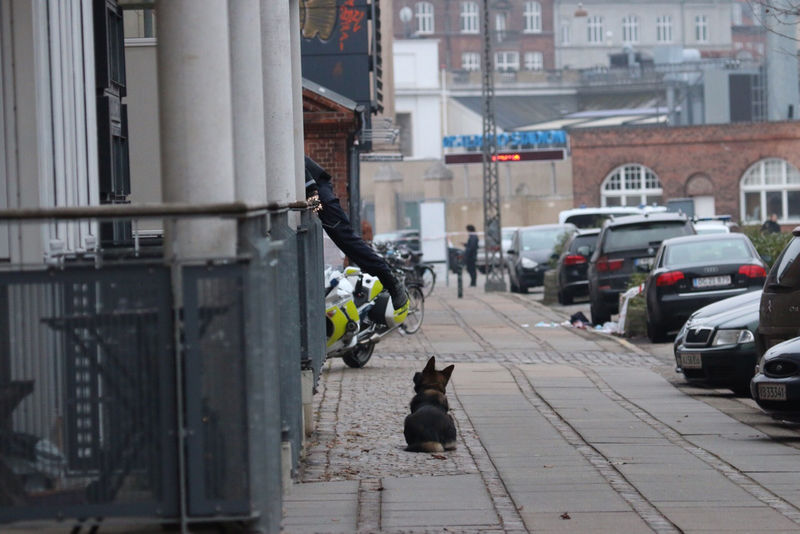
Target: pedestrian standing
pixel 471 255
pixel 771 225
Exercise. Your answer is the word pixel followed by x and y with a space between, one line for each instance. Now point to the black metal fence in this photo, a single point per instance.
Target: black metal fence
pixel 118 399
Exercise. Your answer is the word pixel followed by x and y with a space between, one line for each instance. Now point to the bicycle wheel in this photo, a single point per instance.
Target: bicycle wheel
pixel 428 280
pixel 416 310
pixel 359 356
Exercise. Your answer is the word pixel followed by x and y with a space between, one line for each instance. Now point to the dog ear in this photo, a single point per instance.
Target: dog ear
pixel 430 366
pixel 447 371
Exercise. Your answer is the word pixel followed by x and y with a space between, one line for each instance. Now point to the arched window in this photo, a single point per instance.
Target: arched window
pixel 423 11
pixel 533 17
pixel 631 185
pixel 770 186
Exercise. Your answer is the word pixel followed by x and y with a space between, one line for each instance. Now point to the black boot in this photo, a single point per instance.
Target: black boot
pixel 396 290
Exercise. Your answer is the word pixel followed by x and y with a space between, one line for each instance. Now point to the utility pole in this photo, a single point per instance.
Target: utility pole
pixel 495 280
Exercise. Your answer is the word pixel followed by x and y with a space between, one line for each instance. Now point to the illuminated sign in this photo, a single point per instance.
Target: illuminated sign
pixel 506 157
pixel 534 139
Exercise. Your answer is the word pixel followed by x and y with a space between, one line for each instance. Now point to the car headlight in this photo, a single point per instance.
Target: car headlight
pixel 528 263
pixel 732 337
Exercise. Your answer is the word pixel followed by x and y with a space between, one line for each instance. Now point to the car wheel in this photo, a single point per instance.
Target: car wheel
pixel 655 332
pixel 511 285
pixel 523 288
pixel 598 313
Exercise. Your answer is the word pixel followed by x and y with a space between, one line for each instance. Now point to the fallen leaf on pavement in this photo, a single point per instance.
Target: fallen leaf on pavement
pixel 439 456
pixel 565 515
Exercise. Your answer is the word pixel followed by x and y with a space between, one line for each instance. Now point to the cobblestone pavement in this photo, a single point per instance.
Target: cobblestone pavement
pixel 563 430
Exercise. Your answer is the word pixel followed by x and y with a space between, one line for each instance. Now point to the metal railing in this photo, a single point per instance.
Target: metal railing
pixel 158 389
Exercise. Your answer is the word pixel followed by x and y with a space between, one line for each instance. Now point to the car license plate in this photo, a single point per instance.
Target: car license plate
pixel 772 392
pixel 691 361
pixel 712 281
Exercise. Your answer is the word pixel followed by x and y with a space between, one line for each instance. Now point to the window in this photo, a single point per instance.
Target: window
pixel 566 32
pixel 424 15
pixel 736 14
pixel 770 186
pixel 500 26
pixel 664 29
pixel 630 29
pixel 631 185
pixel 469 17
pixel 534 61
pixel 506 61
pixel 701 29
pixel 406 134
pixel 139 23
pixel 471 61
pixel 533 17
pixel 594 27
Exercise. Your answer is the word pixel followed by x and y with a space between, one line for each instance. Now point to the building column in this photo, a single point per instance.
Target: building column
pixel 279 98
pixel 194 85
pixel 297 97
pixel 247 89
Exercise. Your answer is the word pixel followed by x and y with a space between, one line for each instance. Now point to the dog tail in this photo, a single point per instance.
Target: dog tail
pixel 425 446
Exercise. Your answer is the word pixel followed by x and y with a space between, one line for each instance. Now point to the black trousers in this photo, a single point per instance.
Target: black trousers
pixel 337 225
pixel 473 272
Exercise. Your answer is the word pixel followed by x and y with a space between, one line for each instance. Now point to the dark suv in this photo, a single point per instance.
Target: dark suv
pixel 779 316
pixel 627 245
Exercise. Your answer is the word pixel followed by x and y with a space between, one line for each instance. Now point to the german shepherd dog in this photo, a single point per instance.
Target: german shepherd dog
pixel 429 428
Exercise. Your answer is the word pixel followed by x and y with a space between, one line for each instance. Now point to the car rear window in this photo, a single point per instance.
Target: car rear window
pixel 589 241
pixel 540 239
pixel 705 251
pixel 788 267
pixel 642 235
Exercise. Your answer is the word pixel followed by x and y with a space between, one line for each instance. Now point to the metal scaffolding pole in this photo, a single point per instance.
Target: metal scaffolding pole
pixel 495 280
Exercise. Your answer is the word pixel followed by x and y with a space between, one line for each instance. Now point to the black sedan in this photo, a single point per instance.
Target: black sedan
pixel 717 344
pixel 530 252
pixel 776 385
pixel 572 265
pixel 693 271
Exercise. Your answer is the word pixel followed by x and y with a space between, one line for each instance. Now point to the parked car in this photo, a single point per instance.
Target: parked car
pixel 405 238
pixel 716 345
pixel 587 217
pixel 530 253
pixel 505 242
pixel 776 384
pixel 714 225
pixel 627 245
pixel 572 265
pixel 779 319
pixel 693 271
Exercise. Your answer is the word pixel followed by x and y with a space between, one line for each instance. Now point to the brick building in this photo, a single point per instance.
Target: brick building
pixel 522 31
pixel 330 123
pixel 746 170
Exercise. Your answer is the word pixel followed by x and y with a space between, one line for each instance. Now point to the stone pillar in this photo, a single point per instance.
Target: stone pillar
pixel 438 181
pixel 297 97
pixel 248 101
pixel 194 85
pixel 279 97
pixel 387 182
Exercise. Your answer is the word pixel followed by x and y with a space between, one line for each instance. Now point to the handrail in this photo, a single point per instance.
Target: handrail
pixel 120 211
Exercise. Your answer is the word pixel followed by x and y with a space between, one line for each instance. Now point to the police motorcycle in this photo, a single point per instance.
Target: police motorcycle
pixel 359 313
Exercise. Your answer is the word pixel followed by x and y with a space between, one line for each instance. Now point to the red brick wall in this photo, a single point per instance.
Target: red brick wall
pixel 447 28
pixel 722 152
pixel 328 132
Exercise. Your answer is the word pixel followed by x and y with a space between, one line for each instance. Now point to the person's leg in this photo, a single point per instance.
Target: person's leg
pixel 337 225
pixel 473 274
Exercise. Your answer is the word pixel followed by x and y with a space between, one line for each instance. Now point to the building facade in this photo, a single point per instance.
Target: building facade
pixel 747 170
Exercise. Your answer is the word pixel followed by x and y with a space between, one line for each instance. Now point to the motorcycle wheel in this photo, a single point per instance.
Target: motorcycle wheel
pixel 428 279
pixel 416 310
pixel 359 356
